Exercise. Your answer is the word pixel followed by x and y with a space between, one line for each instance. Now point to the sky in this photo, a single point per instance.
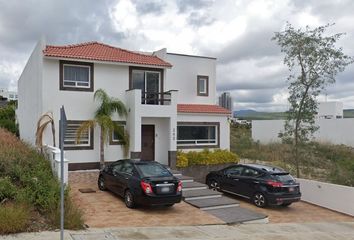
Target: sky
pixel 237 32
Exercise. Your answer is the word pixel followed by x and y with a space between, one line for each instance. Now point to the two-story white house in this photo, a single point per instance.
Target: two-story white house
pixel 170 100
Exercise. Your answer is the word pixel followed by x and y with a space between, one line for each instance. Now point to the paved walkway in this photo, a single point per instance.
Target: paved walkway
pixel 285 231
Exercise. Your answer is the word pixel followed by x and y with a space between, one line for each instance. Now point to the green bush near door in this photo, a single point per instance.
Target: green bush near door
pixel 205 157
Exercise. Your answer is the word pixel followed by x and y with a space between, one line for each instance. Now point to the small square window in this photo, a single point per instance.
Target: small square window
pixel 114 138
pixel 76 76
pixel 203 85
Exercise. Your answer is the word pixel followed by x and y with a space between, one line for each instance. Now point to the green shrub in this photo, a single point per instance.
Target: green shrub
pixel 22 167
pixel 182 160
pixel 13 218
pixel 73 215
pixel 205 157
pixel 7 189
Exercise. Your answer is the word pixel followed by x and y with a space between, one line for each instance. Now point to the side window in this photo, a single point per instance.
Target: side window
pixel 237 170
pixel 249 172
pixel 117 168
pixel 202 85
pixel 127 168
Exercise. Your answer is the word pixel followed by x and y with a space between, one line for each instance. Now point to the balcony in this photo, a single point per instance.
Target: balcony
pixel 156 98
pixel 152 104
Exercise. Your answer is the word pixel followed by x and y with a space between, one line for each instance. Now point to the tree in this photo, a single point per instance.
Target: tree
pixel 8 118
pixel 313 61
pixel 103 118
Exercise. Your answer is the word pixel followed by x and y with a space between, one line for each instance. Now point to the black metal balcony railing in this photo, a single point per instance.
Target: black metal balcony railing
pixel 156 98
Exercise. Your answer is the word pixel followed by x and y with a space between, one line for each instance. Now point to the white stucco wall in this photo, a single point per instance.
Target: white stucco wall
pixel 327 195
pixel 336 131
pixel 183 77
pixel 224 126
pixel 114 79
pixel 30 95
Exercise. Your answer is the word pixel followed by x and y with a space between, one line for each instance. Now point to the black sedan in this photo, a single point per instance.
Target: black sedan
pixel 141 183
pixel 264 185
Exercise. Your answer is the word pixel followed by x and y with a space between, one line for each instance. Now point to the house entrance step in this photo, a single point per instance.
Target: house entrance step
pixel 185 178
pixel 238 215
pixel 189 186
pixel 200 194
pixel 213 203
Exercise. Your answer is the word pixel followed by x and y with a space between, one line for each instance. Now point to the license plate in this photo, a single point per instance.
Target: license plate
pixel 165 189
pixel 291 189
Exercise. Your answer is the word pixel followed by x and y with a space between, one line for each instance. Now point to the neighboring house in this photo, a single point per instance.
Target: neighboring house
pixel 170 100
pixel 8 95
pixel 333 128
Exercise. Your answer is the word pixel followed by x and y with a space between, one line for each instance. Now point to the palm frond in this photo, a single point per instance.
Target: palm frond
pixel 84 128
pixel 118 106
pixel 42 123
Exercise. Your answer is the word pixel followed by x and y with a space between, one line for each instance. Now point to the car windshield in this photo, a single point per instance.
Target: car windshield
pixel 153 170
pixel 283 177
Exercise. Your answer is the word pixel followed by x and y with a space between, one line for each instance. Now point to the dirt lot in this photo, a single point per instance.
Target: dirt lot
pixel 103 209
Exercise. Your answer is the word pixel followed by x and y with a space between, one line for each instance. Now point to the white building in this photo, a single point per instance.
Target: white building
pixel 170 100
pixel 9 95
pixel 333 128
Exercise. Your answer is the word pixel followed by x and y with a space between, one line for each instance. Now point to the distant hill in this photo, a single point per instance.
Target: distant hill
pixel 254 115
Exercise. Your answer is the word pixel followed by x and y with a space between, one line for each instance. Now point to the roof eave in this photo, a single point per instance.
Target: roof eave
pixel 106 62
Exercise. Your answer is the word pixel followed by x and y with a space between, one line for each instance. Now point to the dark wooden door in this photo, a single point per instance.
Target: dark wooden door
pixel 148 142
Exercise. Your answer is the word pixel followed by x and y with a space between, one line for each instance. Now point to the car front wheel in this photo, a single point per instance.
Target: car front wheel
pixel 213 185
pixel 101 184
pixel 129 199
pixel 259 200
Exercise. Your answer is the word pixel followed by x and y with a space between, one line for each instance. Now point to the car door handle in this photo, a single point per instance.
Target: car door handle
pixel 126 178
pixel 236 179
pixel 256 182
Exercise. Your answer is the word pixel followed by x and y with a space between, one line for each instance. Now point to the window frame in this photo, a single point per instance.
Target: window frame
pixel 199 79
pixel 90 146
pixel 116 142
pixel 146 69
pixel 89 65
pixel 195 146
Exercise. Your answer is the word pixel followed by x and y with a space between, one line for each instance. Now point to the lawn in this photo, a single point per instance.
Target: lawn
pixel 323 162
pixel 29 193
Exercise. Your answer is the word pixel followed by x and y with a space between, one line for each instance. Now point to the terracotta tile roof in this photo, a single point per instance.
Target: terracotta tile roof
pixel 201 108
pixel 103 52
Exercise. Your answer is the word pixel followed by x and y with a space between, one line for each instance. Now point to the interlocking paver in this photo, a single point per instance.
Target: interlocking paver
pixel 104 209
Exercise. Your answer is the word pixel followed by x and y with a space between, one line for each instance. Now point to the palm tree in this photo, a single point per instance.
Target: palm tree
pixel 103 118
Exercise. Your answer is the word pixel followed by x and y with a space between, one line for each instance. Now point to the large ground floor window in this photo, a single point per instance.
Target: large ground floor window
pixel 86 140
pixel 197 135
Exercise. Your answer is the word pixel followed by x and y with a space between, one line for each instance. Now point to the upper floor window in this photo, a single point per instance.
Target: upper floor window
pixel 202 85
pixel 150 81
pixel 76 76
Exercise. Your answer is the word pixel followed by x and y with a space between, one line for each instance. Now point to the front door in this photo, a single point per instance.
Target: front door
pixel 148 142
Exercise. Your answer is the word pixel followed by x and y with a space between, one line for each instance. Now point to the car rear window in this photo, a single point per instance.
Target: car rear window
pixel 153 170
pixel 283 177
